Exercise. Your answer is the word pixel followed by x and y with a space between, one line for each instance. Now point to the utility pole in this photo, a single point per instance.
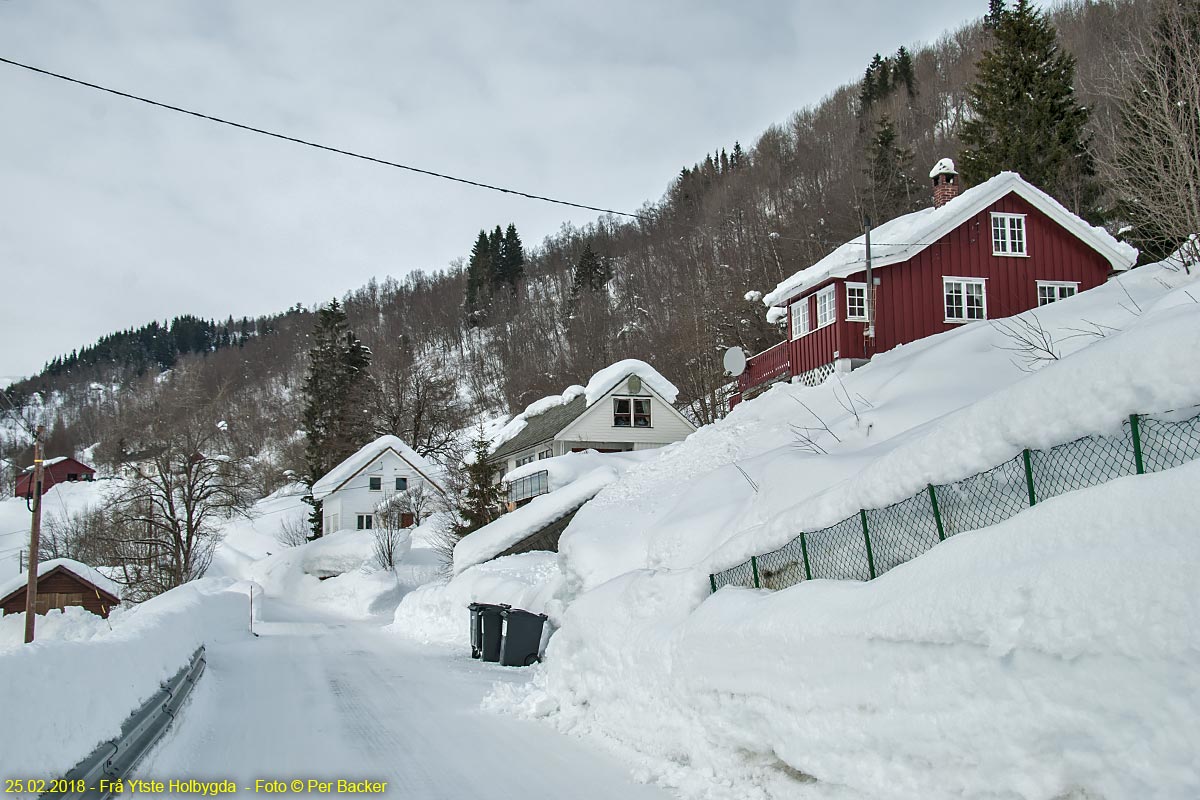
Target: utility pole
pixel 870 298
pixel 35 535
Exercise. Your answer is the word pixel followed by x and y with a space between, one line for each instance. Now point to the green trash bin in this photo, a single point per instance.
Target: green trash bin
pixel 521 640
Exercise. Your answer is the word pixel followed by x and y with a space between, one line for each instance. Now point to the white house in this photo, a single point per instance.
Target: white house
pixel 352 491
pixel 627 406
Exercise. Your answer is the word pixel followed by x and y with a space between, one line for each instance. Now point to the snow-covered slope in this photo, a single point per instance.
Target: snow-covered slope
pixel 1001 663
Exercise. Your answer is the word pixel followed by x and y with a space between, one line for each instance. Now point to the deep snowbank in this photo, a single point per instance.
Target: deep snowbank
pixel 92 676
pixel 437 612
pixel 1051 654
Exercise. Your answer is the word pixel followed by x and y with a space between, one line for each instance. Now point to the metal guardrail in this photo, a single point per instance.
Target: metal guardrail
pixel 113 760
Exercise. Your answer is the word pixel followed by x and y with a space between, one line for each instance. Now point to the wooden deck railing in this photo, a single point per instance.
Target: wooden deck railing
pixel 765 367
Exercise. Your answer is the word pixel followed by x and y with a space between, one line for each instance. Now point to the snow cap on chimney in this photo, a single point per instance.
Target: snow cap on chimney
pixel 945 182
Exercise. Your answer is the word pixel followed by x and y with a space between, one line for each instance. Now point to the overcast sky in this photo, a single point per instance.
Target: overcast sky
pixel 113 213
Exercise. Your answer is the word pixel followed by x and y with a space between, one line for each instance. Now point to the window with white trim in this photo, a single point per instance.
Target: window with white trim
pixel 965 299
pixel 856 302
pixel 1008 235
pixel 799 310
pixel 375 483
pixel 631 412
pixel 1051 291
pixel 526 460
pixel 366 522
pixel 826 306
pixel 401 484
pixel 545 454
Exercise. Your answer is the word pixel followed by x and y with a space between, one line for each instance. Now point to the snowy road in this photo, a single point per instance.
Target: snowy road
pixel 330 699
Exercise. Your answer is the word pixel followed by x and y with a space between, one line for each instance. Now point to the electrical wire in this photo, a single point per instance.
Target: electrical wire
pixel 318 146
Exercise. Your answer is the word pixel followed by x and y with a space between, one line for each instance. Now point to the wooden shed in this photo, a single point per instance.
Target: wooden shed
pixel 61 583
pixel 63 469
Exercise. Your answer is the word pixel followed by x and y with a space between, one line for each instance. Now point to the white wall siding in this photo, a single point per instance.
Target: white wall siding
pixel 356 496
pixel 596 424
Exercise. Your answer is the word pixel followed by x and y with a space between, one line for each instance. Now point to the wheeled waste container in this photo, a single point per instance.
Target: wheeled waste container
pixel 521 636
pixel 485 630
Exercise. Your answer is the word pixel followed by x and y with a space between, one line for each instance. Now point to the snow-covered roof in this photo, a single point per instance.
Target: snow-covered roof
pixel 80 569
pixel 611 376
pixel 50 462
pixel 494 538
pixel 903 237
pixel 336 477
pixel 537 424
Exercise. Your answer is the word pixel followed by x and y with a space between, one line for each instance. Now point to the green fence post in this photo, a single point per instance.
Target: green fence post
pixel 804 552
pixel 1029 476
pixel 937 514
pixel 1136 429
pixel 712 580
pixel 754 566
pixel 870 556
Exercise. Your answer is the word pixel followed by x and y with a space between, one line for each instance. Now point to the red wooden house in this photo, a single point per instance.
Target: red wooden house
pixel 55 470
pixel 995 250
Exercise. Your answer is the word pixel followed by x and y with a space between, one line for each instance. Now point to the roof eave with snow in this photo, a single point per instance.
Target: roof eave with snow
pixel 942 221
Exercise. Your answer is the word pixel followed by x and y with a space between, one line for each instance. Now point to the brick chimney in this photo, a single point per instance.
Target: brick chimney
pixel 945 182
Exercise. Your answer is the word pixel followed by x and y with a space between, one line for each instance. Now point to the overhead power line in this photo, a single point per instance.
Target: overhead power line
pixel 317 145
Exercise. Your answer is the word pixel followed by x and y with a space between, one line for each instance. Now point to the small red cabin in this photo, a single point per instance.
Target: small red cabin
pixel 995 250
pixel 63 469
pixel 62 582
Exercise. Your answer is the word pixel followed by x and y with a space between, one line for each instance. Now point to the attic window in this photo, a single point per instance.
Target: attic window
pixel 631 412
pixel 1008 235
pixel 375 484
pixel 401 484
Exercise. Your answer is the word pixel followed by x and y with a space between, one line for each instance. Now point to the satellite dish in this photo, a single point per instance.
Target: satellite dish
pixel 635 384
pixel 735 361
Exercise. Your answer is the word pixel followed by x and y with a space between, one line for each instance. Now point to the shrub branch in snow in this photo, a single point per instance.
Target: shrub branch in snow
pixel 1026 336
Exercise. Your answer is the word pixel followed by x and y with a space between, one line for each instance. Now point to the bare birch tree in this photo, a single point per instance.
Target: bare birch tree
pixel 1155 159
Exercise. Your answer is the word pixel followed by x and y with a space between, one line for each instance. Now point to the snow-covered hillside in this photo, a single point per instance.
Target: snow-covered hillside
pixel 846 685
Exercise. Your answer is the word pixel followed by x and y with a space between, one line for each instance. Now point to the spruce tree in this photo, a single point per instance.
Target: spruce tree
pixel 889 181
pixel 1025 117
pixel 513 253
pixel 903 71
pixel 496 258
pixel 335 424
pixel 479 270
pixel 480 500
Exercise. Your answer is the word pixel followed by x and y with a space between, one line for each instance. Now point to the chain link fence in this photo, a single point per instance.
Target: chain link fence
pixel 873 541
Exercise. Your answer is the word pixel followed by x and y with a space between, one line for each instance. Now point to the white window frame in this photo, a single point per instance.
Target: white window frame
pixel 963 283
pixel 529 459
pixel 400 478
pixel 634 413
pixel 548 453
pixel 1005 241
pixel 1056 286
pixel 371 481
pixel 799 313
pixel 857 287
pixel 364 522
pixel 828 294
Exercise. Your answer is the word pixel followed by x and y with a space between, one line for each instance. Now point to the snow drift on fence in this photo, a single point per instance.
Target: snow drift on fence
pixel 92 677
pixel 942 408
pixel 1049 656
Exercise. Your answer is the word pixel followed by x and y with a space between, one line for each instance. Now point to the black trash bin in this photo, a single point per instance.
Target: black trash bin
pixel 486 630
pixel 522 637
